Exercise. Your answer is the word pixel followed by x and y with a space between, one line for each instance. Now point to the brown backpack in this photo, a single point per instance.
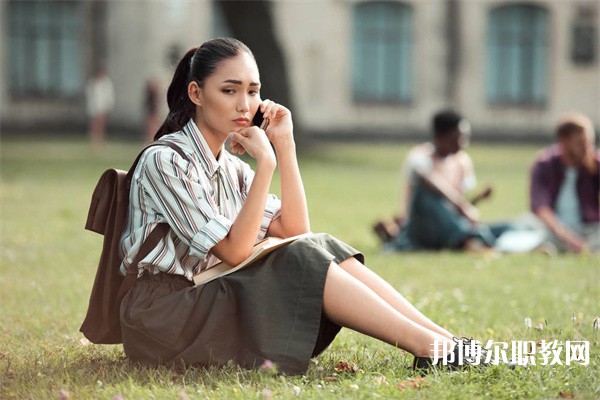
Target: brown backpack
pixel 107 216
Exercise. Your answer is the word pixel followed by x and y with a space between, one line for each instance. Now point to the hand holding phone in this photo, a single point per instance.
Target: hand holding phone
pixel 259 120
pixel 277 124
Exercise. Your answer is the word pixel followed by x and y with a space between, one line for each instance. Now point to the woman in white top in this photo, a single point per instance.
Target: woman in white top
pixel 100 100
pixel 288 306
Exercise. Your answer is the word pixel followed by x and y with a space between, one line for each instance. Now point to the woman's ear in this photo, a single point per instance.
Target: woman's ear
pixel 195 93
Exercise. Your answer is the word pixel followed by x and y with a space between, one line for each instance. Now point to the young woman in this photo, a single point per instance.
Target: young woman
pixel 287 307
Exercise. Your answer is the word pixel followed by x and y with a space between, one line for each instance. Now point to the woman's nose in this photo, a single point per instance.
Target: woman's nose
pixel 243 104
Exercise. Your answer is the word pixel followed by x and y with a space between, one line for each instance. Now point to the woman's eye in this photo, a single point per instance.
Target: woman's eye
pixel 228 91
pixel 254 92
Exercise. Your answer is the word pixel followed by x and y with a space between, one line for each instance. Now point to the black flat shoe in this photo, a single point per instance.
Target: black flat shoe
pixel 451 362
pixel 422 364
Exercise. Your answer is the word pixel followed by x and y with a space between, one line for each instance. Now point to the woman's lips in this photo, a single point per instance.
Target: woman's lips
pixel 242 121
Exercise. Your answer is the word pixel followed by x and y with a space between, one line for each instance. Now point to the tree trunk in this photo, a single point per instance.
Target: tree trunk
pixel 252 23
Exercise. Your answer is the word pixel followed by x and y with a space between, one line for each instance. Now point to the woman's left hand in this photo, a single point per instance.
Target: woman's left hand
pixel 280 130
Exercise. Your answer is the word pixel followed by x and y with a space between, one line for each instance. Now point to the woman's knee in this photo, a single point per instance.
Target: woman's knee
pixel 351 262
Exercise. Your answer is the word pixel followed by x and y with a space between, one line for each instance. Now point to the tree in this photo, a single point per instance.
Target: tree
pixel 252 23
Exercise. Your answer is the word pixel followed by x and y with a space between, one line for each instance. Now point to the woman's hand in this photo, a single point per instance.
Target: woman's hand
pixel 254 141
pixel 280 130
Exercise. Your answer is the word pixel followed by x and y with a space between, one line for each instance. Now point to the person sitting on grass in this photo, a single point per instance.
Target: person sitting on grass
pixel 437 213
pixel 565 185
pixel 286 307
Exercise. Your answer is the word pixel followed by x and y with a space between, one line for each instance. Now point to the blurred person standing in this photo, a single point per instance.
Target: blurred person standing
pixel 99 101
pixel 437 213
pixel 565 187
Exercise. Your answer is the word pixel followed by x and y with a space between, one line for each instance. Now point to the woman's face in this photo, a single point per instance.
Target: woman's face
pixel 229 97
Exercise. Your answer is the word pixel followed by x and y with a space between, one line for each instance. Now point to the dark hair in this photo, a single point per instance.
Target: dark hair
pixel 446 121
pixel 571 124
pixel 196 65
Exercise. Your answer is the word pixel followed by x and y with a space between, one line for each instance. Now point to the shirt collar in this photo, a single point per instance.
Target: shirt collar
pixel 208 160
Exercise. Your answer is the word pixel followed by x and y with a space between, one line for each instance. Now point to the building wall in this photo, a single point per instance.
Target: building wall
pixel 574 86
pixel 37 112
pixel 319 46
pixel 141 37
pixel 317 39
pixel 570 87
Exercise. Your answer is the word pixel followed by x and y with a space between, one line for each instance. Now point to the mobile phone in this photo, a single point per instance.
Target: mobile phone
pixel 258 118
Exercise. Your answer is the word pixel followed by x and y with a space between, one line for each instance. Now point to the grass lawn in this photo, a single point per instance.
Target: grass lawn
pixel 48 264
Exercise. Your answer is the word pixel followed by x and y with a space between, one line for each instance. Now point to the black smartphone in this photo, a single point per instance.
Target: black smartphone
pixel 258 118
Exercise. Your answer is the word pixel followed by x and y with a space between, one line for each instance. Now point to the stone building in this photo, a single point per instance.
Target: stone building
pixel 356 68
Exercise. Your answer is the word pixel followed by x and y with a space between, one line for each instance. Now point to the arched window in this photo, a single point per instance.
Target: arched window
pixel 517 55
pixel 382 52
pixel 45 49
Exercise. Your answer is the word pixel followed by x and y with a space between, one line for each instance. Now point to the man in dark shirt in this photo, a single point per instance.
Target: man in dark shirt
pixel 565 186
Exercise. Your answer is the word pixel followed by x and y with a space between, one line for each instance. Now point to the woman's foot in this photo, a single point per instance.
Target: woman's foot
pixel 450 361
pixel 426 363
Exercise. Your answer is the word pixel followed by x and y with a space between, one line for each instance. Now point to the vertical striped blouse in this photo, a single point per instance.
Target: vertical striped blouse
pixel 199 200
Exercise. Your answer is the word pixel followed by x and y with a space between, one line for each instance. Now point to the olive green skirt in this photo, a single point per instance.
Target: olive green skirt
pixel 270 310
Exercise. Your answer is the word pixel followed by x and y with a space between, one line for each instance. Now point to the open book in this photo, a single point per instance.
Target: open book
pixel 261 249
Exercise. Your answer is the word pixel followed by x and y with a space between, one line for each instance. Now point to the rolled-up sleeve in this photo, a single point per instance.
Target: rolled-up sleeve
pixel 272 212
pixel 210 234
pixel 184 203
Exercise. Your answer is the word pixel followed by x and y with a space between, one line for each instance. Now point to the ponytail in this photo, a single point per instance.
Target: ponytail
pixel 196 65
pixel 181 108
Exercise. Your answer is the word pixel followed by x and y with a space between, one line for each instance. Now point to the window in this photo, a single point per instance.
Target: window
pixel 382 52
pixel 44 48
pixel 584 36
pixel 517 55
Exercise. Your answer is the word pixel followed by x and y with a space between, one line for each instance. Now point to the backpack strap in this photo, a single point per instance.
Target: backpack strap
pixel 155 143
pixel 149 244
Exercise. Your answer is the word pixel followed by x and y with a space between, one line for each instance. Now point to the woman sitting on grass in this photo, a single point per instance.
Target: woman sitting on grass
pixel 286 307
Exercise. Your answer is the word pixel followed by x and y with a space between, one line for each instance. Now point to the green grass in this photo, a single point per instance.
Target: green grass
pixel 48 263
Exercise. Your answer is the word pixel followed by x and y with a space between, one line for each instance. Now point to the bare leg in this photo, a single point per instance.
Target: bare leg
pixel 97 130
pixel 350 303
pixel 390 295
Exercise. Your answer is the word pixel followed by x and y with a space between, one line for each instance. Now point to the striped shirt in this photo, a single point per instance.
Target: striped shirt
pixel 199 200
